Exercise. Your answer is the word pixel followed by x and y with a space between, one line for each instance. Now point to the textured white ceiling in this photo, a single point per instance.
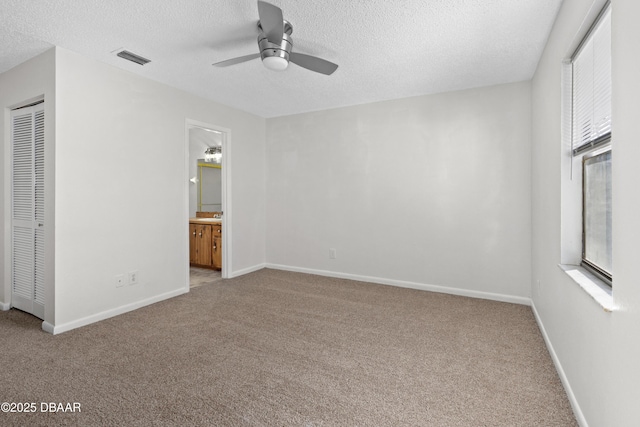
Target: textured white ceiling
pixel 385 49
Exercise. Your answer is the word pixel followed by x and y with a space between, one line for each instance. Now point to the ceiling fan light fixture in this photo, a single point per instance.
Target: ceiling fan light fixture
pixel 275 56
pixel 275 63
pixel 275 44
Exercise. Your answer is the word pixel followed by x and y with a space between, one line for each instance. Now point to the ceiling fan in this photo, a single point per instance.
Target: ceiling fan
pixel 275 44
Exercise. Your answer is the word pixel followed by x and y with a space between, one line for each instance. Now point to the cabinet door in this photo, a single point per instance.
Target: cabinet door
pixel 193 248
pixel 203 237
pixel 216 251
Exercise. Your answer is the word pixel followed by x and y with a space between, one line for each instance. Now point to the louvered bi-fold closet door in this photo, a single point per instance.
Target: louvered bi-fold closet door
pixel 27 209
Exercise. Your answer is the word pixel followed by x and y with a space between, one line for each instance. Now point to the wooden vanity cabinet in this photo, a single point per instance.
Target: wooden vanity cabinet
pixel 205 245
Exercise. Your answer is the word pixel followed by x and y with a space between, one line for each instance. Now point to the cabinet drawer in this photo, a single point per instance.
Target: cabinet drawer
pixel 216 229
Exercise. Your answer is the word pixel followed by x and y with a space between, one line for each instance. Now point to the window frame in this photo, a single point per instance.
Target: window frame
pixel 595 147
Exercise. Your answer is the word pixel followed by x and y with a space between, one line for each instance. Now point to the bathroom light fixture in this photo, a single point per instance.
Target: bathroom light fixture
pixel 213 154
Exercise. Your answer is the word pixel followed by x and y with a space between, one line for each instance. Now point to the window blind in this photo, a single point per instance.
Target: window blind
pixel 591 99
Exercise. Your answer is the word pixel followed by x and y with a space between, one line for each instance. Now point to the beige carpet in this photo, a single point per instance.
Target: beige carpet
pixel 276 348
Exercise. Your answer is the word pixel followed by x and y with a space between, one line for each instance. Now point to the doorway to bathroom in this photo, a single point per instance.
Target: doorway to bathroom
pixel 209 210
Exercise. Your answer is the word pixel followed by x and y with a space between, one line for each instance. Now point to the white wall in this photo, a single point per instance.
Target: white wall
pixel 430 190
pixel 32 79
pixel 121 188
pixel 598 352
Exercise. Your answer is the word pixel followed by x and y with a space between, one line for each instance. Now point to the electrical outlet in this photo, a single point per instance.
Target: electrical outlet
pixel 133 277
pixel 119 280
pixel 332 253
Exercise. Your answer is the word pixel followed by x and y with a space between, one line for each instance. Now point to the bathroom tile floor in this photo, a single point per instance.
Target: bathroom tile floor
pixel 203 276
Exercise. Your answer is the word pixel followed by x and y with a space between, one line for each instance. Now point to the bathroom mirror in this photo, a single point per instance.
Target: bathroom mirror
pixel 209 186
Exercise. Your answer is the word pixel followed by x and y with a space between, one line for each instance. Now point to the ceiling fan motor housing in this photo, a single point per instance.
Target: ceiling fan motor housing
pixel 274 50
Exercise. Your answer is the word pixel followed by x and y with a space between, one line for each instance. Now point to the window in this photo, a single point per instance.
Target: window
pixel 591 142
pixel 596 213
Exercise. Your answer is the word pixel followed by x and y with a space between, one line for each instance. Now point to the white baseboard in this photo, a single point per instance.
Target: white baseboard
pixel 58 329
pixel 404 284
pixel 563 377
pixel 4 306
pixel 48 327
pixel 246 270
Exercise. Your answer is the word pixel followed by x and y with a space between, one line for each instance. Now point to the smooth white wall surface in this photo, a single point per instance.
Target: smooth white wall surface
pixel 122 189
pixel 598 352
pixel 32 79
pixel 431 190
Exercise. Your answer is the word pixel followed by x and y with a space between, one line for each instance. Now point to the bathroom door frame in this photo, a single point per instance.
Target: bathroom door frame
pixel 226 193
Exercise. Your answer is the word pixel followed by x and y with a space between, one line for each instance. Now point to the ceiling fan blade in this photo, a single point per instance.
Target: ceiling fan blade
pixel 313 63
pixel 237 60
pixel 271 21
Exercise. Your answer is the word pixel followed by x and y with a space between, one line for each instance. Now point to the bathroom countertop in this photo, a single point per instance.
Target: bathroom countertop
pixel 205 220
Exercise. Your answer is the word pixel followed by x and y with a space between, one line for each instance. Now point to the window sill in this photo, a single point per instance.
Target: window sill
pixel 593 286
